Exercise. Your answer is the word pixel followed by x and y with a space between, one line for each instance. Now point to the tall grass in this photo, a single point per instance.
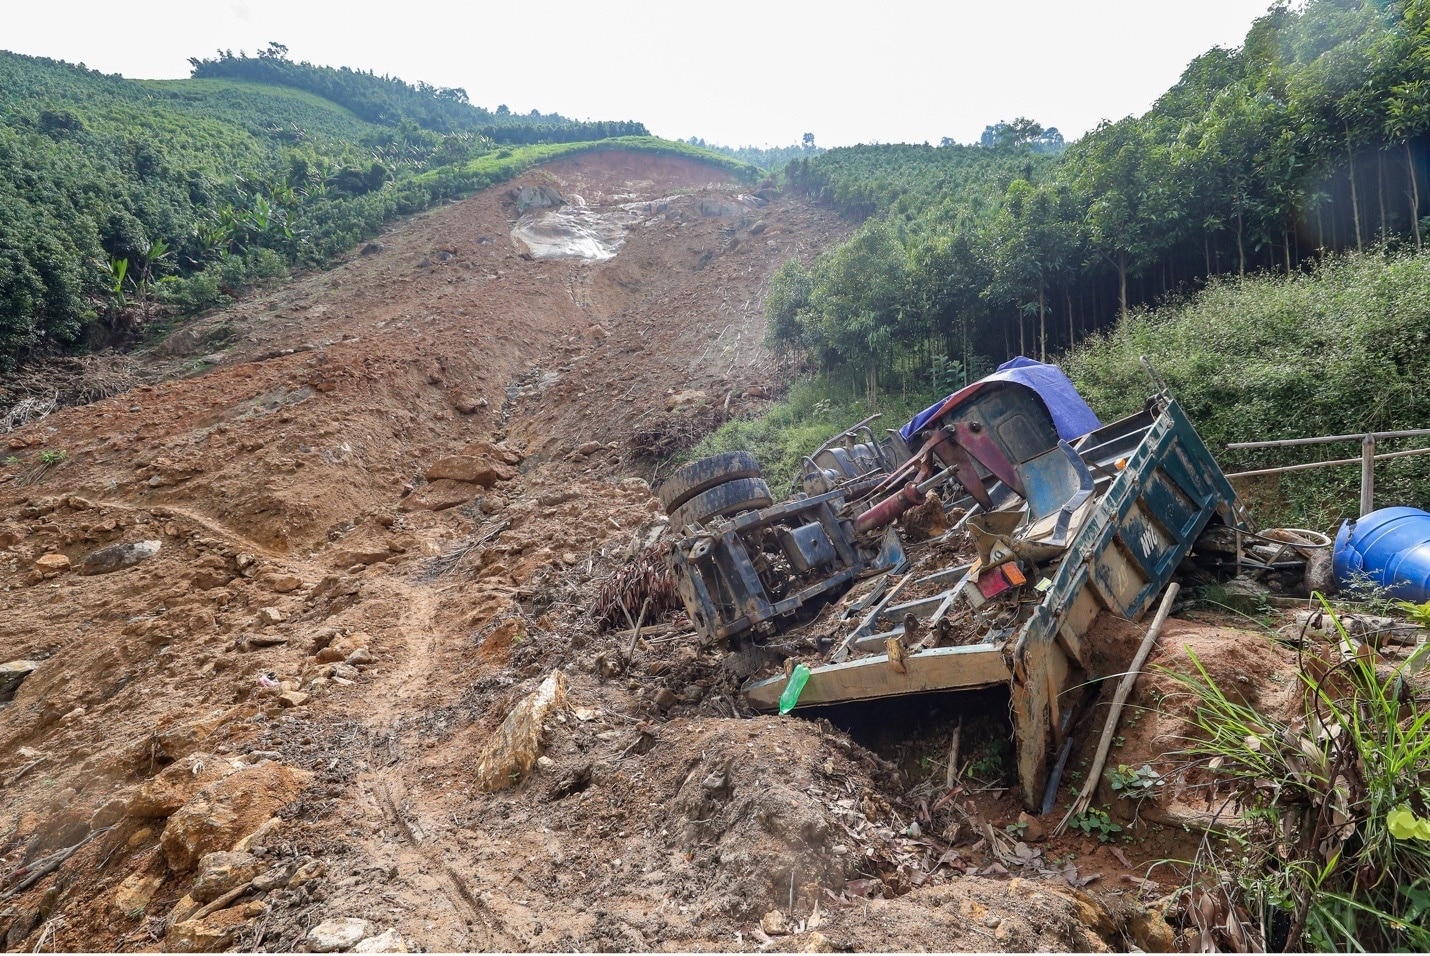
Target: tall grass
pixel 1327 849
pixel 1343 349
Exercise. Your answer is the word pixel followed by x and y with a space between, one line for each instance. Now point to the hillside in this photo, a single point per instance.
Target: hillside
pixel 125 204
pixel 383 498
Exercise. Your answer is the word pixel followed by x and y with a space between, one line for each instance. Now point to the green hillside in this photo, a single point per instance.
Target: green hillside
pixel 122 201
pixel 1307 140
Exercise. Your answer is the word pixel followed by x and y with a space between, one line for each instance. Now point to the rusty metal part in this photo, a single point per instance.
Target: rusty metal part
pixel 890 509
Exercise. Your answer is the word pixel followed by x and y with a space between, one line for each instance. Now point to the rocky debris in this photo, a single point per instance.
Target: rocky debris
pixel 268 616
pixel 12 674
pixel 292 698
pixel 222 813
pixel 514 748
pixel 334 935
pixel 117 557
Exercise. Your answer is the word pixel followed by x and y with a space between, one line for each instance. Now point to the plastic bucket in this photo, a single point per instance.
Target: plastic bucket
pixel 1388 548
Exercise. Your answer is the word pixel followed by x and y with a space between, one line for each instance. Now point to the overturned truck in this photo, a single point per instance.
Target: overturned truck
pixel 1054 517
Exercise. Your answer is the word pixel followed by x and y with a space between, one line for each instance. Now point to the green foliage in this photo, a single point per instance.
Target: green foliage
pixel 1134 782
pixel 1095 822
pixel 1326 854
pixel 53 456
pixel 123 202
pixel 1341 349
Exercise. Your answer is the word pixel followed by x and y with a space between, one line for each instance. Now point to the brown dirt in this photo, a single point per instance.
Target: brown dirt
pixel 279 452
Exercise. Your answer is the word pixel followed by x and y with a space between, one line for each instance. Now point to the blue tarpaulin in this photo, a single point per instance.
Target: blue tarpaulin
pixel 1071 416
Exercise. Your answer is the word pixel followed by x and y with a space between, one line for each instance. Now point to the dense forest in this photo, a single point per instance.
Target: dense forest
pixel 1306 141
pixel 123 202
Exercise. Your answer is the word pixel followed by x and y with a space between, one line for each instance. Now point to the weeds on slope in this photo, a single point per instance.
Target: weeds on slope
pixel 1328 845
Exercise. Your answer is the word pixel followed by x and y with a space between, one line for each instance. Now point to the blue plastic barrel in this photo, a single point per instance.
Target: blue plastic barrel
pixel 1388 548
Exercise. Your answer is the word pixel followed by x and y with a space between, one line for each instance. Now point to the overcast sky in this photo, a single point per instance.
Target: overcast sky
pixel 735 73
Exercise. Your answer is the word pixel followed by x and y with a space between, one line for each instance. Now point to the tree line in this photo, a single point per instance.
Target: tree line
pixel 1308 139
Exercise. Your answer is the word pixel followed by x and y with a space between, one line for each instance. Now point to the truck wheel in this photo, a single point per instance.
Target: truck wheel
pixel 694 477
pixel 742 494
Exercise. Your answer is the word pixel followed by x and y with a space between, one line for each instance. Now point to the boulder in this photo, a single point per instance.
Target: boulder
pixel 224 812
pixel 212 934
pixel 222 871
pixel 133 895
pixel 52 563
pixel 11 674
pixel 439 496
pixel 471 469
pixel 513 750
pixel 331 936
pixel 117 557
pixel 175 785
pixel 387 942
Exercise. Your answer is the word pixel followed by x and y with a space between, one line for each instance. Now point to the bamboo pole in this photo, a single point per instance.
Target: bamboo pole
pixel 1124 690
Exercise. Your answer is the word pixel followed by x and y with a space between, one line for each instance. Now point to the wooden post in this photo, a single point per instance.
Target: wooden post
pixel 1367 475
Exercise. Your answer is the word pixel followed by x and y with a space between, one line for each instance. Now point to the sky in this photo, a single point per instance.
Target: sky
pixel 734 73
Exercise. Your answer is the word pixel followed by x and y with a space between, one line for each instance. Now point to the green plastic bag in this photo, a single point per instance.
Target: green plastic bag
pixel 793 687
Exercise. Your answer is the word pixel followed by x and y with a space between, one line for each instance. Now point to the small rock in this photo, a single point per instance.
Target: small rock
pixel 265 640
pixel 665 699
pixel 332 935
pixel 270 615
pixel 816 942
pixel 52 563
pixel 292 698
pixel 387 942
pixel 773 924
pixel 244 562
pixel 344 672
pixel 283 583
pixel 589 448
pixel 1034 831
pixel 119 556
pixel 359 658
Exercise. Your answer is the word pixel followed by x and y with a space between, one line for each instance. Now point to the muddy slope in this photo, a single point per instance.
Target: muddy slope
pixel 278 600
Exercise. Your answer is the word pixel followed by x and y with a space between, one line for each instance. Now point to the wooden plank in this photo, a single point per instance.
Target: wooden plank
pixel 943 668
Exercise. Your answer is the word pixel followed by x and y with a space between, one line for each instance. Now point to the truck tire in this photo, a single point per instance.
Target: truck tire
pixel 694 477
pixel 742 494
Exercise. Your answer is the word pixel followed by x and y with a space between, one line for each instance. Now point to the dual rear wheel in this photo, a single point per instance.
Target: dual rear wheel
pixel 714 487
